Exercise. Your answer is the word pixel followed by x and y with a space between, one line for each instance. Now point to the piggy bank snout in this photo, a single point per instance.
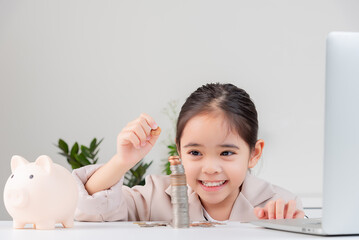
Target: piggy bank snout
pixel 16 198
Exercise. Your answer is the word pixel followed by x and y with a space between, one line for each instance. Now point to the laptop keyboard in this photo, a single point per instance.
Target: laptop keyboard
pixel 306 222
pixel 314 223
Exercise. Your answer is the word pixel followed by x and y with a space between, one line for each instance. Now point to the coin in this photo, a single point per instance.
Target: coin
pixel 156 132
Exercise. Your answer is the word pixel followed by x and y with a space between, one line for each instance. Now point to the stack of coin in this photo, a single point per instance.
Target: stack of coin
pixel 179 197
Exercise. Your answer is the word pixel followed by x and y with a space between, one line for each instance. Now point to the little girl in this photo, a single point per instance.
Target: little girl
pixel 217 142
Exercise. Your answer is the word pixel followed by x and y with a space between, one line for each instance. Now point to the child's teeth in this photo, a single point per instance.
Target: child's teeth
pixel 212 184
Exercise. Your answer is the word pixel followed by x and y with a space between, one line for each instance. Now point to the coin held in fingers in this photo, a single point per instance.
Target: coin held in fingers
pixel 156 132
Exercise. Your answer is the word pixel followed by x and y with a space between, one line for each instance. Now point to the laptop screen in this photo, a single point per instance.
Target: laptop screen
pixel 341 141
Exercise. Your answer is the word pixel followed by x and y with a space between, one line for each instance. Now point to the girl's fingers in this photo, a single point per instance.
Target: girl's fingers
pixel 260 213
pixel 270 207
pixel 291 207
pixel 130 137
pixel 147 123
pixel 151 122
pixel 139 132
pixel 151 134
pixel 298 214
pixel 141 128
pixel 279 209
pixel 145 126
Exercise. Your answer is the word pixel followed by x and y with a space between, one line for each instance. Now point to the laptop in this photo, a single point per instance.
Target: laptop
pixel 341 144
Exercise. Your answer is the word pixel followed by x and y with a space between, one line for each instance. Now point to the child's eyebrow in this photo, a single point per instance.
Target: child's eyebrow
pixel 221 145
pixel 228 146
pixel 192 145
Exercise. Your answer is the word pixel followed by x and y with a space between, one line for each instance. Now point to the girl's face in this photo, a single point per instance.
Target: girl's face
pixel 215 159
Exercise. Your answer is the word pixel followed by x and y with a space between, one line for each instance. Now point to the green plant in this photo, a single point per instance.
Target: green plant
pixel 135 176
pixel 79 156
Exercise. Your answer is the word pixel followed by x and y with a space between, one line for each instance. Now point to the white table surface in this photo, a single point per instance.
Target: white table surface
pixel 129 230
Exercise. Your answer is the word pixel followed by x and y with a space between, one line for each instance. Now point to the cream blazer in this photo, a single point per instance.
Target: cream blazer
pixel 152 202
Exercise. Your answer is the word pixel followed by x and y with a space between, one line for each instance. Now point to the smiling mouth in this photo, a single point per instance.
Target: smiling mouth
pixel 213 183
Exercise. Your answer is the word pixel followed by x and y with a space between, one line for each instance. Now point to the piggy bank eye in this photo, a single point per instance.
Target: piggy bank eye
pixel 31 176
pixel 12 176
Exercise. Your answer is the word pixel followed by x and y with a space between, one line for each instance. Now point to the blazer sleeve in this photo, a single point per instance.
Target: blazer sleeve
pixel 118 203
pixel 104 205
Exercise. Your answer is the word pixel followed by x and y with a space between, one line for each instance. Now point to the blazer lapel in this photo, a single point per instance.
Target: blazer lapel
pixel 253 193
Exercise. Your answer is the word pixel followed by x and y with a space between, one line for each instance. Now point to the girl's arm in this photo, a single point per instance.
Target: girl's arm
pixel 106 176
pixel 133 144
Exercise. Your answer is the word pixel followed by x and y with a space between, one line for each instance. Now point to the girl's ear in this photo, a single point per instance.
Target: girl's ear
pixel 256 153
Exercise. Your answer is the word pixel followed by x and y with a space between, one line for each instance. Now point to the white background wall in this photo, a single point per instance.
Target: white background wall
pixel 79 69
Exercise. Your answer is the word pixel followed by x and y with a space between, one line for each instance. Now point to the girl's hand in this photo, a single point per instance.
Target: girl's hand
pixel 136 140
pixel 279 210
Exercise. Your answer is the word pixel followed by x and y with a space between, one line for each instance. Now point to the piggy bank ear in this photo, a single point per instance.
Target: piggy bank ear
pixel 17 161
pixel 44 162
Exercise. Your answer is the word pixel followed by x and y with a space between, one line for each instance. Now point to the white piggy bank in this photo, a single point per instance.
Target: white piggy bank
pixel 42 193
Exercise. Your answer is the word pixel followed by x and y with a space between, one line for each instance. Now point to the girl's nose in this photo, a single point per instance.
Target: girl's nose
pixel 211 166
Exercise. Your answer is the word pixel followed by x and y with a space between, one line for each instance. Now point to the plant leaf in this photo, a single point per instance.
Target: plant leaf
pixel 75 149
pixel 167 169
pixel 82 159
pixel 142 182
pixel 93 145
pixel 95 154
pixel 64 154
pixel 63 146
pixel 74 164
pixel 98 144
pixel 86 152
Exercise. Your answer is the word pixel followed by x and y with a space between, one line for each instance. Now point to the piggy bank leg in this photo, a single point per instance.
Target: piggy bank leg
pixel 69 223
pixel 48 225
pixel 17 224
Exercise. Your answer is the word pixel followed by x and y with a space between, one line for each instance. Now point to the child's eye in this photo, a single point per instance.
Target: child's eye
pixel 227 153
pixel 195 153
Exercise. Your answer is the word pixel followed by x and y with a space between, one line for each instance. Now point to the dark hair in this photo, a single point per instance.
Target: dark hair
pixel 233 102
